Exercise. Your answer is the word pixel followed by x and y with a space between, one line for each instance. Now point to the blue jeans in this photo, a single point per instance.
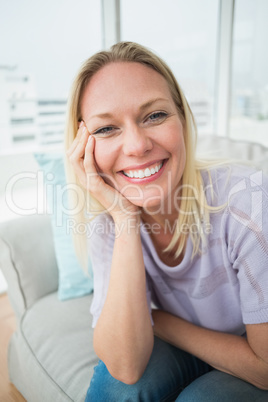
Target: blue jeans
pixel 173 375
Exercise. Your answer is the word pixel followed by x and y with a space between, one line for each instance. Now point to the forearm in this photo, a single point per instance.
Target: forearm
pixel 123 337
pixel 229 353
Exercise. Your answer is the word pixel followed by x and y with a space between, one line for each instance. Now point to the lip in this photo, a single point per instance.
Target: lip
pixel 143 166
pixel 145 180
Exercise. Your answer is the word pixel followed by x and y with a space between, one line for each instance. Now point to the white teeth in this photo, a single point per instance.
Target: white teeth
pixel 147 172
pixel 140 174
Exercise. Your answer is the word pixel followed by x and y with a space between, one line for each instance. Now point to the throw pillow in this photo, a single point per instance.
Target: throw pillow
pixel 73 282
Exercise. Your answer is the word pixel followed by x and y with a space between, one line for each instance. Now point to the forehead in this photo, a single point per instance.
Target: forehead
pixel 123 82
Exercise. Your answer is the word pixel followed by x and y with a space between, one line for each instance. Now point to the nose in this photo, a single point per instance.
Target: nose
pixel 136 141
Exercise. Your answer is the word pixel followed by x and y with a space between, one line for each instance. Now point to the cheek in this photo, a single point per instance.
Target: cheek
pixel 181 153
pixel 181 146
pixel 175 141
pixel 102 157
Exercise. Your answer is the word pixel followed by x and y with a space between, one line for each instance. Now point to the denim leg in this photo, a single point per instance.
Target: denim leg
pixel 217 386
pixel 169 370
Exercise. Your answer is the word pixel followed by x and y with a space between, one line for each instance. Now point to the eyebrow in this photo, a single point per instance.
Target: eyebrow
pixel 151 102
pixel 143 107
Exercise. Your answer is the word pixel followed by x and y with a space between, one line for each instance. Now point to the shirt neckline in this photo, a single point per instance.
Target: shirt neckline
pixel 181 266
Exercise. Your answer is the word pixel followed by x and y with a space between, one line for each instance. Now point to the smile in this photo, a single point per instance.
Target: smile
pixel 142 173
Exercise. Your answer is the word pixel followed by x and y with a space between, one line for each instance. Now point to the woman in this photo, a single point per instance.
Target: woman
pixel 175 232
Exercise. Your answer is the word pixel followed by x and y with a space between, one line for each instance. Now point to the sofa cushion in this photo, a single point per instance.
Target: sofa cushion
pixel 52 358
pixel 27 260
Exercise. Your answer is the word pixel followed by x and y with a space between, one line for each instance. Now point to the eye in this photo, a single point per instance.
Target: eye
pixel 157 116
pixel 105 131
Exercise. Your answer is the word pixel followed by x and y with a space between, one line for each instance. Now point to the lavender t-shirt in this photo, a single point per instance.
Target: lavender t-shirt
pixel 226 285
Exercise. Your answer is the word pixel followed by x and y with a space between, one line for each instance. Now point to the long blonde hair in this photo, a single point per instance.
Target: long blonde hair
pixel 194 206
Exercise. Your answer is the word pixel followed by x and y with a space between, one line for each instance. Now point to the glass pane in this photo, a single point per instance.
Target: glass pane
pixel 184 34
pixel 249 110
pixel 42 44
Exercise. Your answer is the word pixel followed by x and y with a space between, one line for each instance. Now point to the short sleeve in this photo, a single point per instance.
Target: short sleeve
pixel 246 231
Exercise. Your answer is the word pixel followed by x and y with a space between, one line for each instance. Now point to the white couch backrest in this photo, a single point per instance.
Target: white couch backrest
pixel 210 146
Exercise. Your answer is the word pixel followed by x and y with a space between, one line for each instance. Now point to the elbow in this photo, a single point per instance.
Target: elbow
pixel 129 377
pixel 123 370
pixel 126 372
pixel 124 364
pixel 130 380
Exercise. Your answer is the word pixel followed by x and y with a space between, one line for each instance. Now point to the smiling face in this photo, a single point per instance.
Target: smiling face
pixel 139 147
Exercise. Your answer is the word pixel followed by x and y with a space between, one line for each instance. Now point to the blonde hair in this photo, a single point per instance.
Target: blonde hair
pixel 194 206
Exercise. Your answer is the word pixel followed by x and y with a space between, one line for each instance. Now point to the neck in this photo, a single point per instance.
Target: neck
pixel 166 212
pixel 162 219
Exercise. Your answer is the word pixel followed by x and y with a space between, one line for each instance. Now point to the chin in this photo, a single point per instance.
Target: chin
pixel 146 203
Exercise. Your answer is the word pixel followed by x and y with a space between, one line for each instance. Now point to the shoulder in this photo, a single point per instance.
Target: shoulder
pixel 234 183
pixel 242 193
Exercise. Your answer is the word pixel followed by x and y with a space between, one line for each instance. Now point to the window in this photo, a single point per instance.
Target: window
pixel 185 35
pixel 249 102
pixel 42 46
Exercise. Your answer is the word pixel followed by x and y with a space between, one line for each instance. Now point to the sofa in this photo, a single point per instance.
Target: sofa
pixel 51 356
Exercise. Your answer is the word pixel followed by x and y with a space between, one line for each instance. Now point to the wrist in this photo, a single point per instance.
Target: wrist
pixel 121 218
pixel 129 225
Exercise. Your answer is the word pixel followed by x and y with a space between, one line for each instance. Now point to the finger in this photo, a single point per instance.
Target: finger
pixel 76 141
pixel 78 150
pixel 95 182
pixel 80 134
pixel 73 144
pixel 89 159
pixel 102 189
pixel 76 153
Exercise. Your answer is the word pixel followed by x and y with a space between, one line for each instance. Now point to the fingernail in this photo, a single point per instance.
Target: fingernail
pixel 81 124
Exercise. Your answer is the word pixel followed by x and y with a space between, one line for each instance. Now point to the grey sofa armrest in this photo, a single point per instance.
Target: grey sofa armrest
pixel 27 260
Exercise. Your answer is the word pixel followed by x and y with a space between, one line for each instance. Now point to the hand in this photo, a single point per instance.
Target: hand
pixel 81 156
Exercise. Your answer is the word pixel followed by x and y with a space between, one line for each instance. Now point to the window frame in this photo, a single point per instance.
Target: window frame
pixel 111 35
pixel 224 68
